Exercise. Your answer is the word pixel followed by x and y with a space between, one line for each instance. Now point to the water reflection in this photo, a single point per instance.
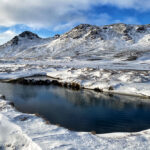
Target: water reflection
pixel 81 110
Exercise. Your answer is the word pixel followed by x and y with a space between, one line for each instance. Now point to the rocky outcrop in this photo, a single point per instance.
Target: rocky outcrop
pixel 29 35
pixel 46 81
pixel 106 32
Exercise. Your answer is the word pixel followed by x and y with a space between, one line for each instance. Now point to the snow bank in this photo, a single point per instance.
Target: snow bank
pixel 24 131
pixel 129 82
pixel 11 135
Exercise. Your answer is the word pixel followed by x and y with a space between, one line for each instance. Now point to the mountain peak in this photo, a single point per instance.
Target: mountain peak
pixel 79 31
pixel 83 26
pixel 24 35
pixel 28 34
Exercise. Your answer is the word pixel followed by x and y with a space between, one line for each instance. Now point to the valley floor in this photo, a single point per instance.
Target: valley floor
pixel 125 77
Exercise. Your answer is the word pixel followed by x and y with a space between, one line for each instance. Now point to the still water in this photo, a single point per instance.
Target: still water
pixel 81 110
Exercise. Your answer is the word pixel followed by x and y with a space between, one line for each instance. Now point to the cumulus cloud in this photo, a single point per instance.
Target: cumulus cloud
pixel 6 36
pixel 50 13
pixel 39 13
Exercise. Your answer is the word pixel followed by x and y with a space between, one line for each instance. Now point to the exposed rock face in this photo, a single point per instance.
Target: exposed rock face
pixel 101 32
pixel 95 33
pixel 83 26
pixel 14 41
pixel 141 28
pixel 78 32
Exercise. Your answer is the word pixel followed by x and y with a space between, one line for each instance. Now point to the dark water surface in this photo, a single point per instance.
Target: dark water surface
pixel 81 110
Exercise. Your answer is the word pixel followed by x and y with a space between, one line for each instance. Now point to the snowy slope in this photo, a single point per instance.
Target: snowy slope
pixel 26 42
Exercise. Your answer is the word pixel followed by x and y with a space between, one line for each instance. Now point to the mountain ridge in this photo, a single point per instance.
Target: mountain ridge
pixel 83 41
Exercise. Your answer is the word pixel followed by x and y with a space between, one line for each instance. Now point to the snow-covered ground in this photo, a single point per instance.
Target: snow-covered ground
pixel 28 132
pixel 109 77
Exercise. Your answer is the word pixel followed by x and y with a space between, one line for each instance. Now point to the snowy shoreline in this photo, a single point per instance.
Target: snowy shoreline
pixel 25 131
pixel 126 82
pixel 36 134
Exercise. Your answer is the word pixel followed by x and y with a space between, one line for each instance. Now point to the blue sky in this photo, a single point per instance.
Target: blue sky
pixel 49 17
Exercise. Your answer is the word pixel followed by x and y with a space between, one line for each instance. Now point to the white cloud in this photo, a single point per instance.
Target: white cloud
pixel 49 13
pixel 6 36
pixel 39 13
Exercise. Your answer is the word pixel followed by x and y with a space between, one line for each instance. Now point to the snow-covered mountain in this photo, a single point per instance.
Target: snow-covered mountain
pixel 84 41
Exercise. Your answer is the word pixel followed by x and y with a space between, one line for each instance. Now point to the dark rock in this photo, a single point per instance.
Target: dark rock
pixel 15 40
pixel 128 29
pixel 55 82
pixel 93 132
pixel 98 90
pixel 75 86
pixel 20 80
pixel 77 37
pixel 105 27
pixel 110 88
pixel 111 95
pixel 78 31
pixel 82 26
pixel 23 81
pixel 141 29
pixel 131 58
pixel 65 85
pixel 95 33
pixel 12 104
pixel 56 36
pixel 40 82
pixel 48 82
